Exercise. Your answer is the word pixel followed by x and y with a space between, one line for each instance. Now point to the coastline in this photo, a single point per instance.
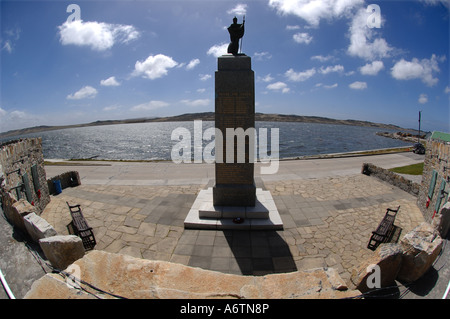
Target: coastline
pixel 105 162
pixel 205 116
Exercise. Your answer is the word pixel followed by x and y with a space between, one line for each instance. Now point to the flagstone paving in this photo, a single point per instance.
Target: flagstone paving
pixel 327 223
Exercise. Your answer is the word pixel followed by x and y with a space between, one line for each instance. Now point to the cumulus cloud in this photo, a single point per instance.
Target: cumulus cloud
pixel 417 69
pixel 154 67
pixel 329 69
pixel 278 86
pixel 218 50
pixel 151 105
pixel 302 37
pixel 358 85
pixel 99 36
pixel 299 76
pixel 260 56
pixel 204 77
pixel 372 68
pixel 423 98
pixel 312 11
pixel 192 64
pixel 361 44
pixel 267 78
pixel 111 81
pixel 12 120
pixel 87 92
pixel 322 58
pixel 335 85
pixel 239 9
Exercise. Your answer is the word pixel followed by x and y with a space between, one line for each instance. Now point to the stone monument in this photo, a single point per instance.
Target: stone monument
pixel 234 202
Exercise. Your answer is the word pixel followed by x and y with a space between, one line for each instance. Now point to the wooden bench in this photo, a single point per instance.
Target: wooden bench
pixel 80 227
pixel 384 230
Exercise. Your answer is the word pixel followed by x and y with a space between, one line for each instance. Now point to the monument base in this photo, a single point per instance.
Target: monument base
pixel 234 195
pixel 262 216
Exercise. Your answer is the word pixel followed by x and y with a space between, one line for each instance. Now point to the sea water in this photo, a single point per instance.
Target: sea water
pixel 152 141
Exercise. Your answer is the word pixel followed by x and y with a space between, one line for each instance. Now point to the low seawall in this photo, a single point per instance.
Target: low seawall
pixel 391 177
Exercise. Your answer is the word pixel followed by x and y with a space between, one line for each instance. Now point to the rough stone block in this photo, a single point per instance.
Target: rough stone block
pixel 442 221
pixel 149 279
pixel 37 227
pixel 62 251
pixel 15 211
pixel 421 246
pixel 388 258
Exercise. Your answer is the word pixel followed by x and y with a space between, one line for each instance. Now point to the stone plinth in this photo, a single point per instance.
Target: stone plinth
pixel 235 109
pixel 204 214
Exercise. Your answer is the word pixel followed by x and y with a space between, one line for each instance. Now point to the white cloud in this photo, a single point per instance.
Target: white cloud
pixel 335 85
pixel 267 78
pixel 87 92
pixel 322 58
pixel 447 89
pixel 196 103
pixel 329 69
pixel 239 9
pixel 218 50
pixel 278 86
pixel 299 76
pixel 111 81
pixel 154 67
pixel 202 90
pixel 152 105
pixel 7 46
pixel 360 39
pixel 372 68
pixel 204 77
pixel 192 64
pixel 423 98
pixel 260 56
pixel 312 11
pixel 111 108
pixel 302 37
pixel 17 119
pixel 99 36
pixel 358 85
pixel 292 27
pixel 415 69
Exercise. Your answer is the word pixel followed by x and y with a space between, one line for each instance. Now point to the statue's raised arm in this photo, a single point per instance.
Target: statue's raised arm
pixel 236 33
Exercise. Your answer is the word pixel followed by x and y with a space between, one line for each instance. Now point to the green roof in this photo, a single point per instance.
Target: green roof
pixel 440 136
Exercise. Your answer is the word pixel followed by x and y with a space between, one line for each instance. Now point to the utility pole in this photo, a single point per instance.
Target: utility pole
pixel 418 138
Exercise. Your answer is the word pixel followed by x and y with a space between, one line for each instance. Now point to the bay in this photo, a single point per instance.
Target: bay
pixel 152 141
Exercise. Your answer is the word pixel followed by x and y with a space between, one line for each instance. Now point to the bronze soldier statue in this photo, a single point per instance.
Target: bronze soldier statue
pixel 236 33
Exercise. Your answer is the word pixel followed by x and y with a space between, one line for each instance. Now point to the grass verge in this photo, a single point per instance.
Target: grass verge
pixel 414 169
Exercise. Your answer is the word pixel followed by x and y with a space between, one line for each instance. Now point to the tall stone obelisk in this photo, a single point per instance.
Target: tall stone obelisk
pixel 234 114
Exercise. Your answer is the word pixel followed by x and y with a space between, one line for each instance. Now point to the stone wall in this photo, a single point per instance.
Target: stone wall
pixel 436 164
pixel 67 179
pixel 391 177
pixel 22 172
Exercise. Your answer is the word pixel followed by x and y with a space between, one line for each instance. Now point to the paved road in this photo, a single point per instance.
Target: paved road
pixel 168 173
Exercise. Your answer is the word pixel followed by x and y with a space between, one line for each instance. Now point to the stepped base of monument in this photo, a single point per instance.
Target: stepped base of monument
pixel 205 215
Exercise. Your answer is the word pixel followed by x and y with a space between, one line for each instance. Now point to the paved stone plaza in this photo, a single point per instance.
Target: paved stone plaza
pixel 327 223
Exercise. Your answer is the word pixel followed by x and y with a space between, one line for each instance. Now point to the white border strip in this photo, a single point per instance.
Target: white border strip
pixel 5 285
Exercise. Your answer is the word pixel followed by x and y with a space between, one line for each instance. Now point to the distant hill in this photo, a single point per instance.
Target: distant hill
pixel 205 116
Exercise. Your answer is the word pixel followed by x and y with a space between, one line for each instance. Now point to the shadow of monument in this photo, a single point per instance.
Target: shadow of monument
pixel 260 252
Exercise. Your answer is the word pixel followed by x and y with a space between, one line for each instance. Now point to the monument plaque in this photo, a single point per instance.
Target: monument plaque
pixel 235 109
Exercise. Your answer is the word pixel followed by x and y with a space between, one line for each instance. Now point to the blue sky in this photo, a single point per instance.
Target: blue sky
pixel 129 59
